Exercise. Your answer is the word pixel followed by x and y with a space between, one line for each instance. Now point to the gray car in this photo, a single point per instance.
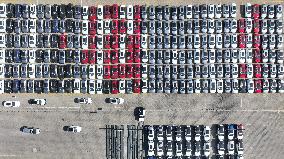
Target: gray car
pixel 30 86
pixel 17 25
pixel 167 86
pixel 181 72
pixel 181 57
pixel 167 56
pixel 159 42
pixel 69 41
pixel 152 27
pixel 47 11
pixel 77 26
pixel 62 56
pixel 77 56
pixel 45 70
pixel 84 86
pixel 189 71
pixel 47 26
pixel 76 71
pixel 152 86
pixel 25 26
pixel 174 71
pixel 46 86
pixel 16 71
pixel 159 57
pixel 152 57
pixel 23 71
pixel 159 12
pixel 39 26
pixel 76 41
pixel 46 40
pixel 189 86
pixel 144 27
pixel 17 41
pixel 174 86
pixel 182 87
pixel 25 41
pixel 84 72
pixel 174 42
pixel 129 87
pixel 159 27
pixel 38 71
pixel 189 26
pixel 167 71
pixel 152 12
pixel 167 42
pixel 152 42
pixel 174 27
pixel 181 42
pixel 181 27
pixel 166 27
pixel 160 86
pixel 160 72
pixel 152 73
pixel 166 12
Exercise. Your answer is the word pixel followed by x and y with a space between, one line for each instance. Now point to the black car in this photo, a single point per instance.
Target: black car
pixel 53 86
pixel 54 41
pixel 24 41
pixel 68 71
pixel 30 86
pixel 9 40
pixel 60 71
pixel 18 10
pixel 9 56
pixel 69 25
pixel 8 86
pixel 62 11
pixel 54 56
pixel 106 87
pixel 38 85
pixel 39 56
pixel 9 25
pixel 23 88
pixel 61 27
pixel 60 86
pixel 25 11
pixel 242 86
pixel 68 86
pixel 40 11
pixel 46 56
pixel 69 56
pixel 16 71
pixel 10 10
pixel 16 86
pixel 54 11
pixel 17 56
pixel 39 26
pixel 8 71
pixel 69 9
pixel 53 71
pixel 24 56
pixel 39 40
pixel 77 12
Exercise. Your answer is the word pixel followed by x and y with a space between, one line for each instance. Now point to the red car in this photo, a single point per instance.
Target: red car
pixel 255 11
pixel 137 57
pixel 114 11
pixel 114 71
pixel 242 41
pixel 130 41
pixel 137 42
pixel 106 56
pixel 136 26
pixel 92 13
pixel 129 56
pixel 62 43
pixel 129 71
pixel 242 25
pixel 92 57
pixel 257 71
pixel 114 27
pixel 115 41
pixel 107 41
pixel 122 71
pixel 256 41
pixel 106 71
pixel 137 12
pixel 92 42
pixel 137 72
pixel 136 86
pixel 114 87
pixel 84 57
pixel 122 26
pixel 114 56
pixel 243 71
pixel 256 25
pixel 107 14
pixel 258 86
pixel 257 55
pixel 92 28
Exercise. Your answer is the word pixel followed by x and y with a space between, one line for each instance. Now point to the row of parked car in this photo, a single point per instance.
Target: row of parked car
pixel 263 11
pixel 189 141
pixel 72 86
pixel 53 56
pixel 217 56
pixel 214 86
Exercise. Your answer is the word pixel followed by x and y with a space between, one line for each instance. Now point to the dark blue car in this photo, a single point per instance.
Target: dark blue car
pixel 55 26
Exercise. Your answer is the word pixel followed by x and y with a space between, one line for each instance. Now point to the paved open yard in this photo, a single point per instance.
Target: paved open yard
pixel 262 115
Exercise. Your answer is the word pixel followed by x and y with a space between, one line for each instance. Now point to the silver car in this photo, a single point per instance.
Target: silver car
pixel 182 87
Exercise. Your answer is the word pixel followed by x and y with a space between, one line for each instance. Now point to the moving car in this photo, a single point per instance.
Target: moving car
pixel 37 101
pixel 84 100
pixel 30 130
pixel 11 103
pixel 73 128
pixel 115 100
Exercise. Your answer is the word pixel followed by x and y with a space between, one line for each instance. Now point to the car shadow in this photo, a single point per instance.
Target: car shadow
pixel 76 100
pixel 65 128
pixel 22 128
pixel 107 100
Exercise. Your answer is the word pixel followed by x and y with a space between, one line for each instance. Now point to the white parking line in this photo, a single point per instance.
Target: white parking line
pixel 53 107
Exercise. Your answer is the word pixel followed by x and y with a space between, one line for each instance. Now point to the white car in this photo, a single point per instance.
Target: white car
pixel 248 24
pixel 130 27
pixel 231 147
pixel 37 101
pixel 206 133
pixel 2 25
pixel 210 11
pixel 240 147
pixel 100 57
pixel 85 12
pixel 11 103
pixel 130 12
pixel 122 13
pixel 144 41
pixel 92 71
pixel 32 10
pixel 248 10
pixel 221 132
pixel 121 86
pixel 32 40
pixel 84 100
pixel 122 41
pixel 233 10
pixel 219 41
pixel 31 70
pixel 144 86
pixel 250 85
pixel 100 27
pixel 218 11
pixel 2 41
pixel 2 56
pixel 116 100
pixel 151 133
pixel 106 26
pixel 3 10
pixel 85 27
pixel 1 86
pixel 220 86
pixel 100 42
pixel 99 71
pixel 100 12
pixel 30 130
pixel 196 41
pixel 160 147
pixel 32 25
pixel 73 128
pixel 151 151
pixel 84 42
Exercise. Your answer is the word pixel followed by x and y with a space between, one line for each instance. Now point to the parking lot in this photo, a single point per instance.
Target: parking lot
pixel 262 116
